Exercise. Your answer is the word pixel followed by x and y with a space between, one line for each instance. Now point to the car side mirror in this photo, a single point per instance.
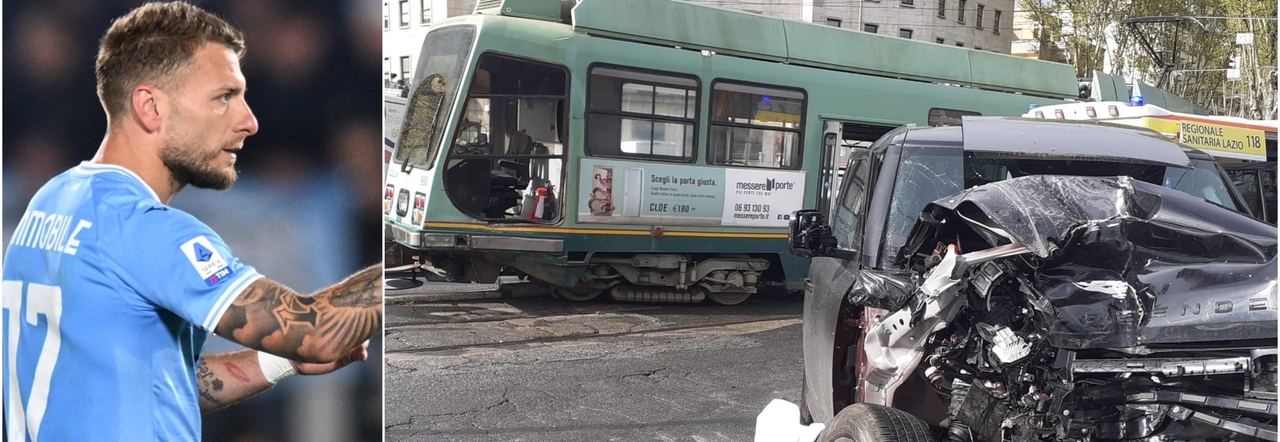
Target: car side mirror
pixel 809 236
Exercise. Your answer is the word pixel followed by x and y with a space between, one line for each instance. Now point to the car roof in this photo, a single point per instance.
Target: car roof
pixel 1028 138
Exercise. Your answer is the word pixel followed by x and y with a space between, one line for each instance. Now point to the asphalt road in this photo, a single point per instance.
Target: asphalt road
pixel 534 368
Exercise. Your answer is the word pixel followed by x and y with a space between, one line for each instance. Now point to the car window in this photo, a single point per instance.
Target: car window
pixel 1246 183
pixel 851 212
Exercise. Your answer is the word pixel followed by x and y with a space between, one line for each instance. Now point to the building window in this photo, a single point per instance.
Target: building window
pixel 978 22
pixel 942 8
pixel 871 27
pixel 940 40
pixel 959 44
pixel 641 114
pixel 404 13
pixel 386 15
pixel 386 72
pixel 426 12
pixel 833 22
pixel 755 126
pixel 405 67
pixel 904 33
pixel 995 24
pixel 960 12
pixel 908 2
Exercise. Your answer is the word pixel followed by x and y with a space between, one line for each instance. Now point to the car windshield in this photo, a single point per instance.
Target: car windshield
pixel 924 176
pixel 1203 181
pixel 980 170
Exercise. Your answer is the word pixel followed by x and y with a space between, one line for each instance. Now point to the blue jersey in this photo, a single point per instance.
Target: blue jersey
pixel 109 296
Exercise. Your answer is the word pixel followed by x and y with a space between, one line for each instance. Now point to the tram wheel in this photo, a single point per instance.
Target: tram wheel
pixel 577 294
pixel 730 298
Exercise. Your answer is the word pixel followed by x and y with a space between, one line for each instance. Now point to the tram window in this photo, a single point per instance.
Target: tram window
pixel 641 114
pixel 947 117
pixel 755 126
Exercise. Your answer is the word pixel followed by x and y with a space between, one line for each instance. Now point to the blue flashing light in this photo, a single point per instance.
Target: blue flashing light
pixel 765 99
pixel 1032 106
pixel 1136 100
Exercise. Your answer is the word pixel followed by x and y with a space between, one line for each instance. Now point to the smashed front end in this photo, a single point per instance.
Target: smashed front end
pixel 1079 308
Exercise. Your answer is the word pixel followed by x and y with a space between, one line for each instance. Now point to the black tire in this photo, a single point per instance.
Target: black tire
pixel 867 423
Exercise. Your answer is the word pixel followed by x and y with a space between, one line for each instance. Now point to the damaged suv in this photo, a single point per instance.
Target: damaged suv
pixel 1031 280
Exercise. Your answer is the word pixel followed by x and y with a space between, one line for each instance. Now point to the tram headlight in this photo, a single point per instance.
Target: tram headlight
pixel 387 195
pixel 419 207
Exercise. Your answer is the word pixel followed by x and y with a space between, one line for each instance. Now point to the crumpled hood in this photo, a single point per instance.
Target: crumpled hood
pixel 1123 263
pixel 1043 211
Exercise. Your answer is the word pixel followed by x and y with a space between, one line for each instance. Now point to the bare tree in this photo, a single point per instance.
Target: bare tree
pixel 1188 57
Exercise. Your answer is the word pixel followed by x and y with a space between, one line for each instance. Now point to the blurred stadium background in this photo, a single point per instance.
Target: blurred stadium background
pixel 305 211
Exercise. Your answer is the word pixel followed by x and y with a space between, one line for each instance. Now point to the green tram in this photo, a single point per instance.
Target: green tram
pixel 655 149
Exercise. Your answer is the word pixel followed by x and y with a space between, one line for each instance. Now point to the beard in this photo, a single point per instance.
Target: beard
pixel 189 165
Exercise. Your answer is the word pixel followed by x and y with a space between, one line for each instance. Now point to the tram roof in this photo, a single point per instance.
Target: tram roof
pixel 743 34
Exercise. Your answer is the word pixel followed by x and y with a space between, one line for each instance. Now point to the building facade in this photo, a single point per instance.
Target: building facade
pixel 1028 42
pixel 405 24
pixel 977 24
pixel 985 25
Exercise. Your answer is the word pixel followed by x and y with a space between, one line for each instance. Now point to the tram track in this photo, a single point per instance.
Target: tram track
pixel 523 315
pixel 588 336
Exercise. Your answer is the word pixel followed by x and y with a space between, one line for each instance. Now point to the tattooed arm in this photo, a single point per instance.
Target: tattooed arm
pixel 320 328
pixel 226 378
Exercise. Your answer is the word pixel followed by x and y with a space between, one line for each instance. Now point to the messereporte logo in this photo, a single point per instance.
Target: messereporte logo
pixel 208 263
pixel 769 184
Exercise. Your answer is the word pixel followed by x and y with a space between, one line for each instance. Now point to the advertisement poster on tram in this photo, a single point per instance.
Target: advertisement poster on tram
pixel 627 192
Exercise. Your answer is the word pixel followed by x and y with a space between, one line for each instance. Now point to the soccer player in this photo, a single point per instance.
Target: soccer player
pixel 110 294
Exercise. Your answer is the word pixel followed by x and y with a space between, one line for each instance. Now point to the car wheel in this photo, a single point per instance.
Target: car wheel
pixel 866 423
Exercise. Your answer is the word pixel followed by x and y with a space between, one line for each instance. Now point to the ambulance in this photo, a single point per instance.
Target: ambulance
pixel 1227 139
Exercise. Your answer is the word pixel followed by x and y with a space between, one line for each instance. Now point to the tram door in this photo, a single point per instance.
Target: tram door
pixel 839 139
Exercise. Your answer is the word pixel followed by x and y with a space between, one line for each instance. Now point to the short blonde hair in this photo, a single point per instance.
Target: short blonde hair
pixel 150 44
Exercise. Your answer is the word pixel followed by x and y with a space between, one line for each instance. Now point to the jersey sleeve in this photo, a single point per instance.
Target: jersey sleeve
pixel 178 263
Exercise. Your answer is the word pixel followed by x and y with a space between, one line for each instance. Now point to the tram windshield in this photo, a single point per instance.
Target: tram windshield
pixel 444 55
